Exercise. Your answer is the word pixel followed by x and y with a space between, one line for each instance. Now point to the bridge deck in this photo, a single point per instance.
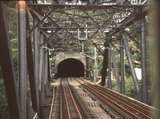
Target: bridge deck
pixel 75 98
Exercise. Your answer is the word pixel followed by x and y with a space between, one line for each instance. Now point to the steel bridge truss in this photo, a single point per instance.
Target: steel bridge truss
pixel 43 27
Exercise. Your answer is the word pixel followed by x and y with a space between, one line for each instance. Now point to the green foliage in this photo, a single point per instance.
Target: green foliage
pixel 13 43
pixel 3 101
pixel 129 87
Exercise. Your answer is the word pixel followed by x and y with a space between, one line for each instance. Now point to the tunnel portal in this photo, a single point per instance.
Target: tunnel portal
pixel 70 68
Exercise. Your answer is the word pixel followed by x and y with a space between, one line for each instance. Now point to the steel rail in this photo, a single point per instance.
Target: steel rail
pixel 74 102
pixel 112 103
pixel 80 102
pixel 51 108
pixel 131 108
pixel 135 105
pixel 61 101
pixel 69 104
pixel 134 108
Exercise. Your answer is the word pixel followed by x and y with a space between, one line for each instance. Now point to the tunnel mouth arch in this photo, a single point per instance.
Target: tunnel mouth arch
pixel 70 68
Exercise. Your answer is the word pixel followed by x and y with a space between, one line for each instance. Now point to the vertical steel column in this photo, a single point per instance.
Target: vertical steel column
pixel 46 83
pixel 42 79
pixel 105 64
pixel 23 57
pixel 122 67
pixel 135 80
pixel 155 58
pixel 36 59
pixel 104 69
pixel 42 75
pixel 82 45
pixel 87 68
pixel 31 69
pixel 7 67
pixel 41 64
pixel 95 64
pixel 49 63
pixel 109 72
pixel 144 63
pixel 45 66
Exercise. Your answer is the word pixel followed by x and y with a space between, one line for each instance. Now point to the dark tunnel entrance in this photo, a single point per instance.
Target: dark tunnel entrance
pixel 70 68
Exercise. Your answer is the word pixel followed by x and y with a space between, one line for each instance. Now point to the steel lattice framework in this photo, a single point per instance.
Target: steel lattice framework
pixel 60 23
pixel 57 25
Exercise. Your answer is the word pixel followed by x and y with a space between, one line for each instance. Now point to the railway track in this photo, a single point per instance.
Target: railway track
pixel 128 108
pixel 68 108
pixel 69 103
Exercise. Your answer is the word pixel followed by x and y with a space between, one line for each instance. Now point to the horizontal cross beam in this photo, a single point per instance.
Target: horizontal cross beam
pixel 86 7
